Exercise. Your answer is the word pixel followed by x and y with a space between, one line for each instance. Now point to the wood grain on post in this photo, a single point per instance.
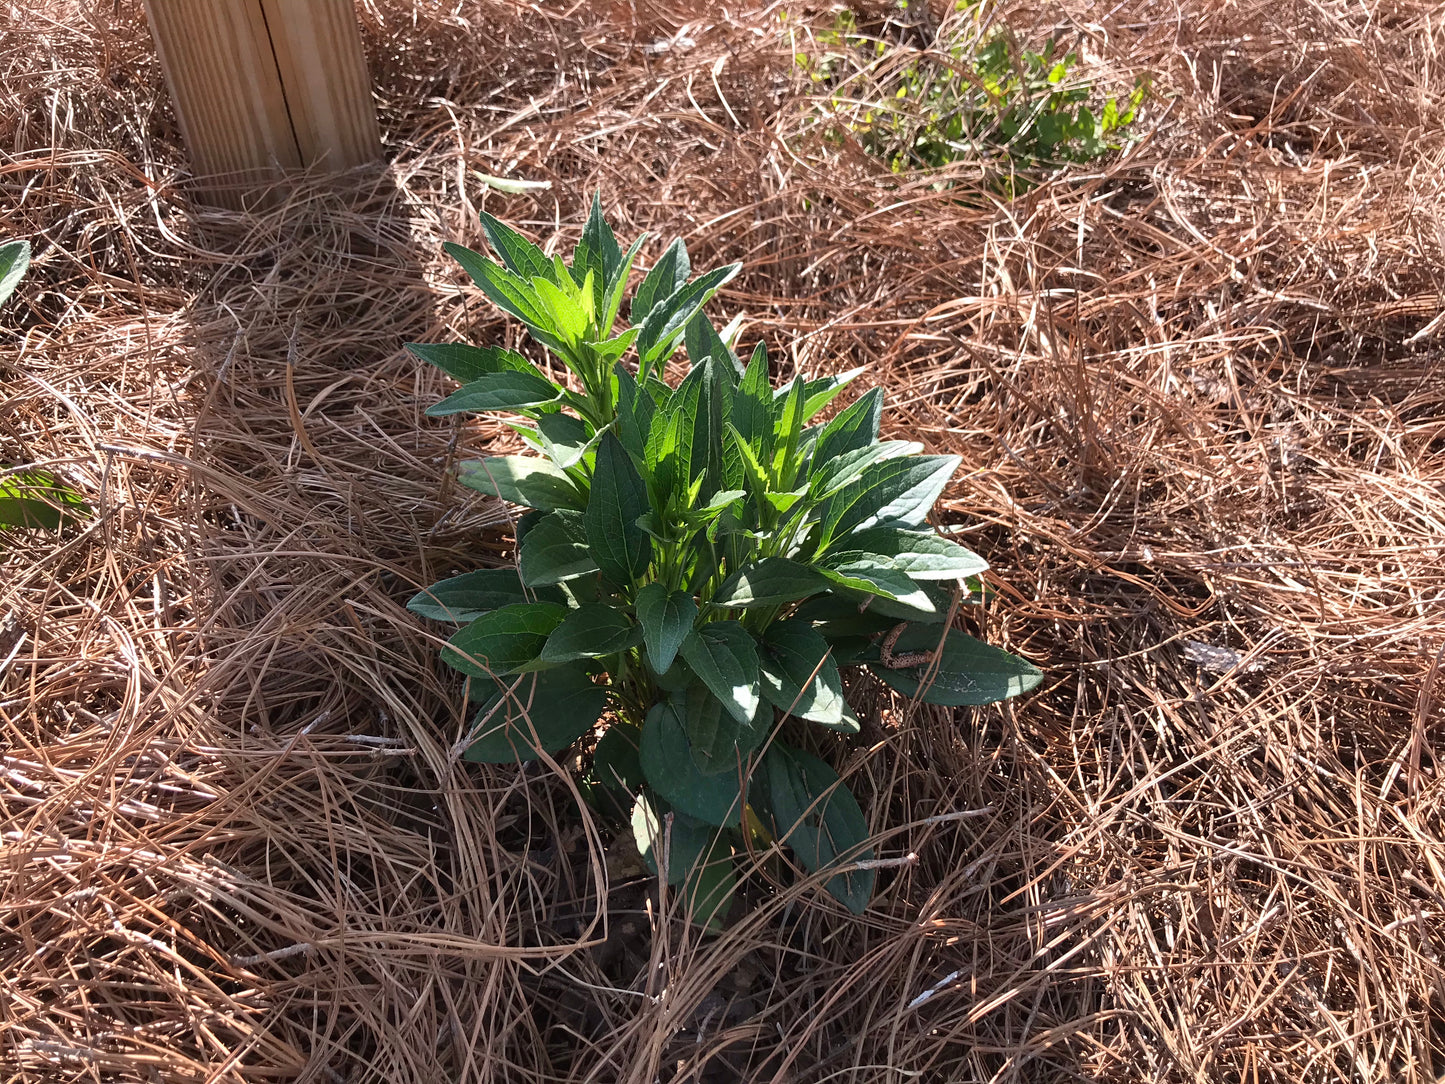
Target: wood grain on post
pixel 265 86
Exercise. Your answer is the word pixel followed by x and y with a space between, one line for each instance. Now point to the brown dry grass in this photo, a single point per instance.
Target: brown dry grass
pixel 1199 395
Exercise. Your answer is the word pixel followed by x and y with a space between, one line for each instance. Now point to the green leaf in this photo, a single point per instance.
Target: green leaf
pixel 522 479
pixel 590 632
pixel 717 738
pixel 801 677
pixel 967 671
pixel 669 452
pixel 668 319
pixel 921 554
pixel 752 413
pixel 875 574
pixel 710 884
pixel 635 410
pixel 616 775
pixel 724 656
pixel 14 259
pixel 611 302
pixel 520 256
pixel 599 253
pixel 668 765
pixel 565 439
pixel 667 618
pixel 621 548
pixel 510 390
pixel 818 817
pixel 510 293
pixel 468 363
pixel 895 491
pixel 503 641
pixel 853 428
pixel 544 712
pixel 702 341
pixel 609 350
pixel 462 599
pixel 555 550
pixel 568 320
pixel 830 475
pixel 771 581
pixel 820 392
pixel 667 276
pixel 36 499
pixel 682 843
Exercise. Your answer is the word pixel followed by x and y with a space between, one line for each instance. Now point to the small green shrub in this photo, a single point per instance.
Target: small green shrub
pixel 30 498
pixel 988 100
pixel 697 564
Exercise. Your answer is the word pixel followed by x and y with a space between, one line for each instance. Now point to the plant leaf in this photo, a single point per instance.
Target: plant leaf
pixel 702 341
pixel 717 738
pixel 621 548
pixel 818 817
pixel 558 706
pixel 683 844
pixel 771 581
pixel 666 277
pixel 590 632
pixel 710 884
pixel 599 253
pixel 667 618
pixel 468 363
pixel 510 390
pixel 565 439
pixel 522 479
pixel 462 599
pixel 503 641
pixel 827 477
pixel 853 428
pixel 668 765
pixel 895 491
pixel 801 677
pixel 519 255
pixel 724 656
pixel 668 319
pixel 36 499
pixel 968 671
pixel 14 259
pixel 875 574
pixel 555 550
pixel 511 293
pixel 820 392
pixel 616 775
pixel 921 554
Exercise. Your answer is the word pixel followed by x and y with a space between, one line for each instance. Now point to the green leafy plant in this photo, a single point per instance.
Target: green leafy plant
pixel 31 498
pixel 990 100
pixel 698 562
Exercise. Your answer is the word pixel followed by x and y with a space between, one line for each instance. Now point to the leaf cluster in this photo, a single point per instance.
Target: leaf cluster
pixel 697 563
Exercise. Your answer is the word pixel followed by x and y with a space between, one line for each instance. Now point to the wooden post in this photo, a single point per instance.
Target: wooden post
pixel 265 86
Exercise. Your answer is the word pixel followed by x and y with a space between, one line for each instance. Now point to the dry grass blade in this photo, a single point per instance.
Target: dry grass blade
pixel 1200 397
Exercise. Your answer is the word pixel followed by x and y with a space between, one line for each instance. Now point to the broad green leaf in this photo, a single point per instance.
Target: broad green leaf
pixel 667 276
pixel 827 477
pixel 590 632
pixel 709 449
pixel 967 671
pixel 36 499
pixel 565 439
pixel 598 253
pixel 710 884
pixel 520 256
pixel 724 656
pixel 818 817
pixel 635 410
pixel 921 554
pixel 555 550
pixel 938 593
pixel 569 320
pixel 682 843
pixel 668 765
pixel 752 413
pixel 524 480
pixel 853 428
pixel 611 303
pixel 468 363
pixel 669 453
pixel 462 599
pixel 819 393
pixel 717 738
pixel 702 341
pixel 875 574
pixel 801 677
pixel 787 430
pixel 616 776
pixel 621 548
pixel 14 259
pixel 667 618
pixel 503 641
pixel 510 293
pixel 544 712
pixel 771 581
pixel 609 350
pixel 668 319
pixel 895 491
pixel 510 390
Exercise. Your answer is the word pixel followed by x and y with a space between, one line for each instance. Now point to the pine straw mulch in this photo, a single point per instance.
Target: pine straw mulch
pixel 1200 399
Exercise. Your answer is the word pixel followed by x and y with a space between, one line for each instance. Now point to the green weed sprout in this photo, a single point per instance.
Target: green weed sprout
pixel 697 564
